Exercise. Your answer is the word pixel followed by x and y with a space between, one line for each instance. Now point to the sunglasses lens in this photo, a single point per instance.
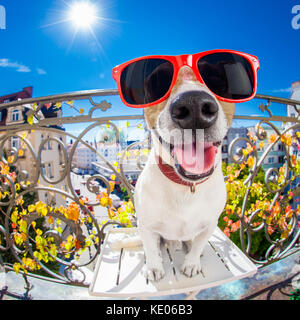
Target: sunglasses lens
pixel 228 75
pixel 146 81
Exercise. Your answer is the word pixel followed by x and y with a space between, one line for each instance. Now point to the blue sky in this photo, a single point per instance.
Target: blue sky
pixel 37 50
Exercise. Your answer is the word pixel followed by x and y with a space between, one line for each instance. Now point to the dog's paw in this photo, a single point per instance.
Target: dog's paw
pixel 191 270
pixel 154 274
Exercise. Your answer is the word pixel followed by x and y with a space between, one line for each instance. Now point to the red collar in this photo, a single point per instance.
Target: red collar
pixel 171 174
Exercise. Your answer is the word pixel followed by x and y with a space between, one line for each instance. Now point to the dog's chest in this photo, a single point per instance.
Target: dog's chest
pixel 173 210
pixel 181 215
pixel 184 218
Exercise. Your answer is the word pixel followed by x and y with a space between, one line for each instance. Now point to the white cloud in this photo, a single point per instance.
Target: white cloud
pixel 283 90
pixel 41 71
pixel 6 63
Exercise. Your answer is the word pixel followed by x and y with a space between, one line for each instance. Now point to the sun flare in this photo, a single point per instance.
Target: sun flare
pixel 83 14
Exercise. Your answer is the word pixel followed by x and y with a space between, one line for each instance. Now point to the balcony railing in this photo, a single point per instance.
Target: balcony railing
pixel 53 221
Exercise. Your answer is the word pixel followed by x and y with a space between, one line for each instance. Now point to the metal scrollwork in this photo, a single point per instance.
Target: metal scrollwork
pixel 44 219
pixel 279 188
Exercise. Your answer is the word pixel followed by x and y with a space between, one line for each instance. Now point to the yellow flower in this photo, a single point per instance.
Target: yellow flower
pixel 104 201
pixel 286 139
pixel 30 119
pixel 112 186
pixel 70 103
pixel 41 208
pixel 261 145
pixel 250 162
pixel 17 267
pixel 73 211
pixel 4 168
pixel 146 151
pixel 115 164
pixel 10 159
pixel 272 138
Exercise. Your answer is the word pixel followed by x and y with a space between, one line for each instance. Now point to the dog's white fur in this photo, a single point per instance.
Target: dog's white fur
pixel 171 211
pixel 168 210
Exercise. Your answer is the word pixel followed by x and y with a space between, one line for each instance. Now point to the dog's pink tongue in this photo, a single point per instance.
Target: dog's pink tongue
pixel 196 158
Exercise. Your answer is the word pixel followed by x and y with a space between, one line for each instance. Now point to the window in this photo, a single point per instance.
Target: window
pixel 281 159
pixel 49 143
pixel 61 139
pixel 43 169
pixel 50 171
pixel 15 115
pixel 46 198
pixel 224 149
pixel 271 160
pixel 15 142
pixel 42 139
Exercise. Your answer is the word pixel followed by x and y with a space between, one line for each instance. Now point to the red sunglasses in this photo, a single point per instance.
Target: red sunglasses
pixel 230 75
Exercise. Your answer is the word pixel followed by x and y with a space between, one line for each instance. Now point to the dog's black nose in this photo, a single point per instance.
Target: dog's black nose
pixel 194 110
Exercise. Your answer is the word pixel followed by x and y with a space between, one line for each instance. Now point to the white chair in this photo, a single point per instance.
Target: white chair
pixel 119 273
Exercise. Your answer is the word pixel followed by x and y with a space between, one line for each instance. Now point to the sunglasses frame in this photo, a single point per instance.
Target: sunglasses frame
pixel 190 60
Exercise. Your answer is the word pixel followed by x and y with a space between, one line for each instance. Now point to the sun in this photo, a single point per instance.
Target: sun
pixel 83 14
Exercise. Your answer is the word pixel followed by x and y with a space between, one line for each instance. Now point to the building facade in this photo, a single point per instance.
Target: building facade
pixel 51 155
pixel 292 112
pixel 232 134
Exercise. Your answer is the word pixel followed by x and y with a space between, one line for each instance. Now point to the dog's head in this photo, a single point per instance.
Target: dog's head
pixel 187 120
pixel 188 128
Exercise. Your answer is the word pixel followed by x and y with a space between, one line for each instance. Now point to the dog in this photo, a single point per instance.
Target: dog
pixel 177 197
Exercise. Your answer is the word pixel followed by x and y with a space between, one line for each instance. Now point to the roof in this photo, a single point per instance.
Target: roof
pixel 296 84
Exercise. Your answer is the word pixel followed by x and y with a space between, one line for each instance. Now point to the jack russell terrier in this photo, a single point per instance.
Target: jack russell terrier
pixel 189 102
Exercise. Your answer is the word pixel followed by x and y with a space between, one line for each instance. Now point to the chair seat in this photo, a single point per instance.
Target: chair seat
pixel 119 273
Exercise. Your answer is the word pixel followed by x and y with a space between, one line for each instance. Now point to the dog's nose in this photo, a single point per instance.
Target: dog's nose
pixel 194 110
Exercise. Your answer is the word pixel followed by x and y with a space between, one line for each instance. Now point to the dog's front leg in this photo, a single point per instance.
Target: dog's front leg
pixel 151 243
pixel 192 265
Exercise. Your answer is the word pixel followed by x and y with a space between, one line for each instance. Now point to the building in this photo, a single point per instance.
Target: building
pixel 83 158
pixel 17 114
pixel 276 156
pixel 295 95
pixel 232 134
pixel 131 171
pixel 110 152
pixel 114 153
pixel 291 112
pixel 43 141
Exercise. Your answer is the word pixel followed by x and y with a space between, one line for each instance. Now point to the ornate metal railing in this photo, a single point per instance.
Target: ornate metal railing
pixel 53 222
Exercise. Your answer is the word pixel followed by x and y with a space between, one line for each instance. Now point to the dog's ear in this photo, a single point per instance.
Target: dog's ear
pixel 228 109
pixel 152 113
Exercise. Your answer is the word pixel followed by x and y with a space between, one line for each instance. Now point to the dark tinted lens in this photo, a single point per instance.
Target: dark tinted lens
pixel 228 75
pixel 146 81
